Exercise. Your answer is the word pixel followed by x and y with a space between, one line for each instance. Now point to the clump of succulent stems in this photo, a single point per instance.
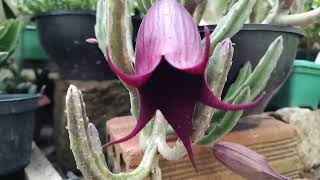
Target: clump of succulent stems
pixel 113 28
pixel 282 12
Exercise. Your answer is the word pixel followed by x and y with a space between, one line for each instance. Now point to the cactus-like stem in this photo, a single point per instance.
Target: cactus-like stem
pixel 273 13
pixel 260 11
pixel 190 5
pixel 86 147
pixel 297 7
pixel 217 71
pixel 222 121
pixel 215 10
pixel 280 14
pixel 262 72
pixel 145 134
pixel 170 153
pixel 2 13
pixel 147 4
pixel 141 7
pixel 302 19
pixel 157 174
pixel 198 14
pixel 227 27
pixel 114 31
pixel 87 161
pixel 230 24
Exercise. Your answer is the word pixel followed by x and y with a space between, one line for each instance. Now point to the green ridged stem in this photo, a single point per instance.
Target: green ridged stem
pixel 175 152
pixel 215 10
pixel 198 14
pixel 141 7
pixel 80 144
pixel 230 24
pixel 190 5
pixel 255 81
pixel 114 30
pixel 261 74
pixel 134 109
pixel 217 71
pixel 260 11
pixel 243 75
pixel 86 147
pixel 147 4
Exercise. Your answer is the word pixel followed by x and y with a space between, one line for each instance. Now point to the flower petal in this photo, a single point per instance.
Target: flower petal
pixel 201 67
pixel 179 115
pixel 132 80
pixel 168 31
pixel 244 161
pixel 207 97
pixel 145 115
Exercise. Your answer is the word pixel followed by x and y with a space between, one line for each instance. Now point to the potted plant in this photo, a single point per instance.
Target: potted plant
pixel 73 22
pixel 172 74
pixel 18 102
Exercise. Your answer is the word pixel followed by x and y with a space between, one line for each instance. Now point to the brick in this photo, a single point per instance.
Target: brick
pixel 268 136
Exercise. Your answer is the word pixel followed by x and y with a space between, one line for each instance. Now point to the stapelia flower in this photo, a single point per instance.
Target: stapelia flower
pixel 244 161
pixel 170 70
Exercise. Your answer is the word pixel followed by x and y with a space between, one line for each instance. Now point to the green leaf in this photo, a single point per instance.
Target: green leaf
pixel 10 39
pixel 230 24
pixel 3 57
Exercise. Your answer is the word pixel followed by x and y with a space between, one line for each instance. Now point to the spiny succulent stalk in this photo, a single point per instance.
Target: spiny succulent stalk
pixel 198 14
pixel 230 24
pixel 190 5
pixel 260 11
pixel 220 61
pixel 217 71
pixel 170 153
pixel 302 19
pixel 215 10
pixel 114 30
pixel 247 86
pixel 84 153
pixel 86 146
pixel 297 7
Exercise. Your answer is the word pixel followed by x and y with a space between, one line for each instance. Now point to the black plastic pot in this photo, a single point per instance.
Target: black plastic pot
pixel 251 43
pixel 63 36
pixel 307 54
pixel 16 129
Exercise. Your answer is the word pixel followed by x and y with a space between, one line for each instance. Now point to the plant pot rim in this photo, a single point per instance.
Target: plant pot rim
pixel 63 12
pixel 268 27
pixel 17 97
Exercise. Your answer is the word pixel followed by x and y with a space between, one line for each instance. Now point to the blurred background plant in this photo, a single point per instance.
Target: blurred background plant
pixel 39 6
pixel 312 37
pixel 12 80
pixel 285 12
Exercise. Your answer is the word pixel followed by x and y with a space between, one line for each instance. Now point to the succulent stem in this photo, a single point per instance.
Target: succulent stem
pixel 302 19
pixel 86 147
